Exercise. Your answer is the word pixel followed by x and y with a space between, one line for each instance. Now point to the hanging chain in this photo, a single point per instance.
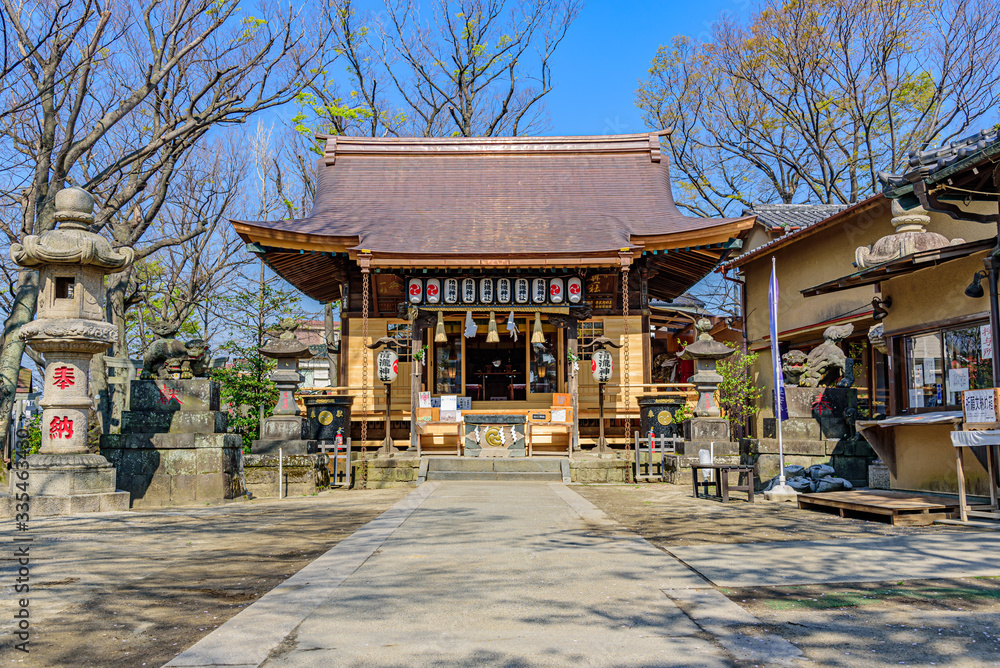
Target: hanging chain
pixel 626 369
pixel 363 484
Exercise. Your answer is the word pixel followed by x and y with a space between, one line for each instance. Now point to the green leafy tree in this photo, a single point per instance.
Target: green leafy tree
pixel 247 390
pixel 739 395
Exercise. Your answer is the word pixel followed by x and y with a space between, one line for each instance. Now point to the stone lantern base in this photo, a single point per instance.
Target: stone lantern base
pixel 69 484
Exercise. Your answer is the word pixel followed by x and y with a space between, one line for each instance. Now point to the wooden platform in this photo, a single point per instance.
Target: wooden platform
pixel 897 508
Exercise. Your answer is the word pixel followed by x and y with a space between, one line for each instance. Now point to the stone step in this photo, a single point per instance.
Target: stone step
pixel 492 464
pixel 537 476
pixel 476 468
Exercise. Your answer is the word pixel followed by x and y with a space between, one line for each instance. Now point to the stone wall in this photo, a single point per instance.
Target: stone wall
pixel 387 472
pixel 303 474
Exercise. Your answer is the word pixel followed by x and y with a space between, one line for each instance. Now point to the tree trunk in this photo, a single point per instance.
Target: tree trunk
pixel 21 312
pixel 114 404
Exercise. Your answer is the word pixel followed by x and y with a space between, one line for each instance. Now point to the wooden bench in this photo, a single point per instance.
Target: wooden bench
pixel 721 479
pixel 898 508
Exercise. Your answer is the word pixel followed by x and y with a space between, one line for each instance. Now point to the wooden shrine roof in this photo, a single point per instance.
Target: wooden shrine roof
pixel 492 196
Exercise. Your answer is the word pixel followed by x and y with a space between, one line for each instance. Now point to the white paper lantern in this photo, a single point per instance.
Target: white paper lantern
pixel 574 289
pixel 539 291
pixel 503 291
pixel 416 291
pixel 433 291
pixel 486 290
pixel 522 291
pixel 387 365
pixel 556 292
pixel 468 290
pixel 451 291
pixel 601 365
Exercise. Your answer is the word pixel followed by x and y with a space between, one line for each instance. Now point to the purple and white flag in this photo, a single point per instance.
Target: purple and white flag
pixel 780 405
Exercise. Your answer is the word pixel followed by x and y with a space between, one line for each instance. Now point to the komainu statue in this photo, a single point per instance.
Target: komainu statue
pixel 793 365
pixel 826 363
pixel 167 357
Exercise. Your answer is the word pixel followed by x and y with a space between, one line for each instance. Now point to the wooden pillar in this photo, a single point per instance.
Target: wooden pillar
pixel 416 345
pixel 963 508
pixel 574 384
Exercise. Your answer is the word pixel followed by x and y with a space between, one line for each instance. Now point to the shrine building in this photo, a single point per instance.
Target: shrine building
pixel 558 240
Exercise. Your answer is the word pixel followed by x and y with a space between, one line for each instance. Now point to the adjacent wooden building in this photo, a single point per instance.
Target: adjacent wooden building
pixel 570 235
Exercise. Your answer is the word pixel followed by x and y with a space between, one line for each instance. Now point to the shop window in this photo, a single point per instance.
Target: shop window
pixel 924 370
pixel 400 334
pixel 969 368
pixel 941 365
pixel 586 332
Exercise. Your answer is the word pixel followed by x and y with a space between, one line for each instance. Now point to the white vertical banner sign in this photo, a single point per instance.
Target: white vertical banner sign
pixel 780 407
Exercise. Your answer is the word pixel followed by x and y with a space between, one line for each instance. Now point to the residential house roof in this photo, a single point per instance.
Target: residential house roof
pixel 791 217
pixel 836 218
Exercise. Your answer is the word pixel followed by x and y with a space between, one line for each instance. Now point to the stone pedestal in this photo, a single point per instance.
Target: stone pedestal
pixel 287 433
pixel 173 448
pixel 819 430
pixel 71 484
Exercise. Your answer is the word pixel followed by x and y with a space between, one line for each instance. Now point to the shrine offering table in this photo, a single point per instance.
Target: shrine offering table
pixel 721 479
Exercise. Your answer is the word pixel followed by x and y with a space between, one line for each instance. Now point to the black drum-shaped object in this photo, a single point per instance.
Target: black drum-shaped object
pixel 657 412
pixel 328 415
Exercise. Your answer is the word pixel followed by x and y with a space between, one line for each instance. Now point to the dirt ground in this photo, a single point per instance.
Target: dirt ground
pixel 914 623
pixel 136 589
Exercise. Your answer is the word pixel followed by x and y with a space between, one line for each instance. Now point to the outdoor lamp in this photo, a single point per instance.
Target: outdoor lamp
pixel 975 289
pixel 880 308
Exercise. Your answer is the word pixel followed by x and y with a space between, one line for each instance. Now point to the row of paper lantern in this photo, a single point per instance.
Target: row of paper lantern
pixel 495 290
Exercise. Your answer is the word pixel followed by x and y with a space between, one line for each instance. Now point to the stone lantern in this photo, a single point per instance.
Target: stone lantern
pixel 286 428
pixel 707 425
pixel 64 477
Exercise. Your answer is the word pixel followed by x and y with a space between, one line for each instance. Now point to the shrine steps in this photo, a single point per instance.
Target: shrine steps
pixel 555 469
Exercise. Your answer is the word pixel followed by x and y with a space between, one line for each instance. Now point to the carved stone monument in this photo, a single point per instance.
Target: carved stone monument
pixel 64 477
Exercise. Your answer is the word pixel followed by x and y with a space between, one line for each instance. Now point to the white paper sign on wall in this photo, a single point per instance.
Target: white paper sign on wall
pixel 979 406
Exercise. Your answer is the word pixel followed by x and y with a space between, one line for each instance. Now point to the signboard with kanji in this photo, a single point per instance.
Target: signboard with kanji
pixel 980 406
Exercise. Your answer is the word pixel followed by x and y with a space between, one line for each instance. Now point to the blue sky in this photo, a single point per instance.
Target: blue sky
pixel 608 50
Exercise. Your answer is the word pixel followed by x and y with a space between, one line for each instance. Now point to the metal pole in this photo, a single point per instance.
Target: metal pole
pixel 602 443
pixel 281 473
pixel 992 266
